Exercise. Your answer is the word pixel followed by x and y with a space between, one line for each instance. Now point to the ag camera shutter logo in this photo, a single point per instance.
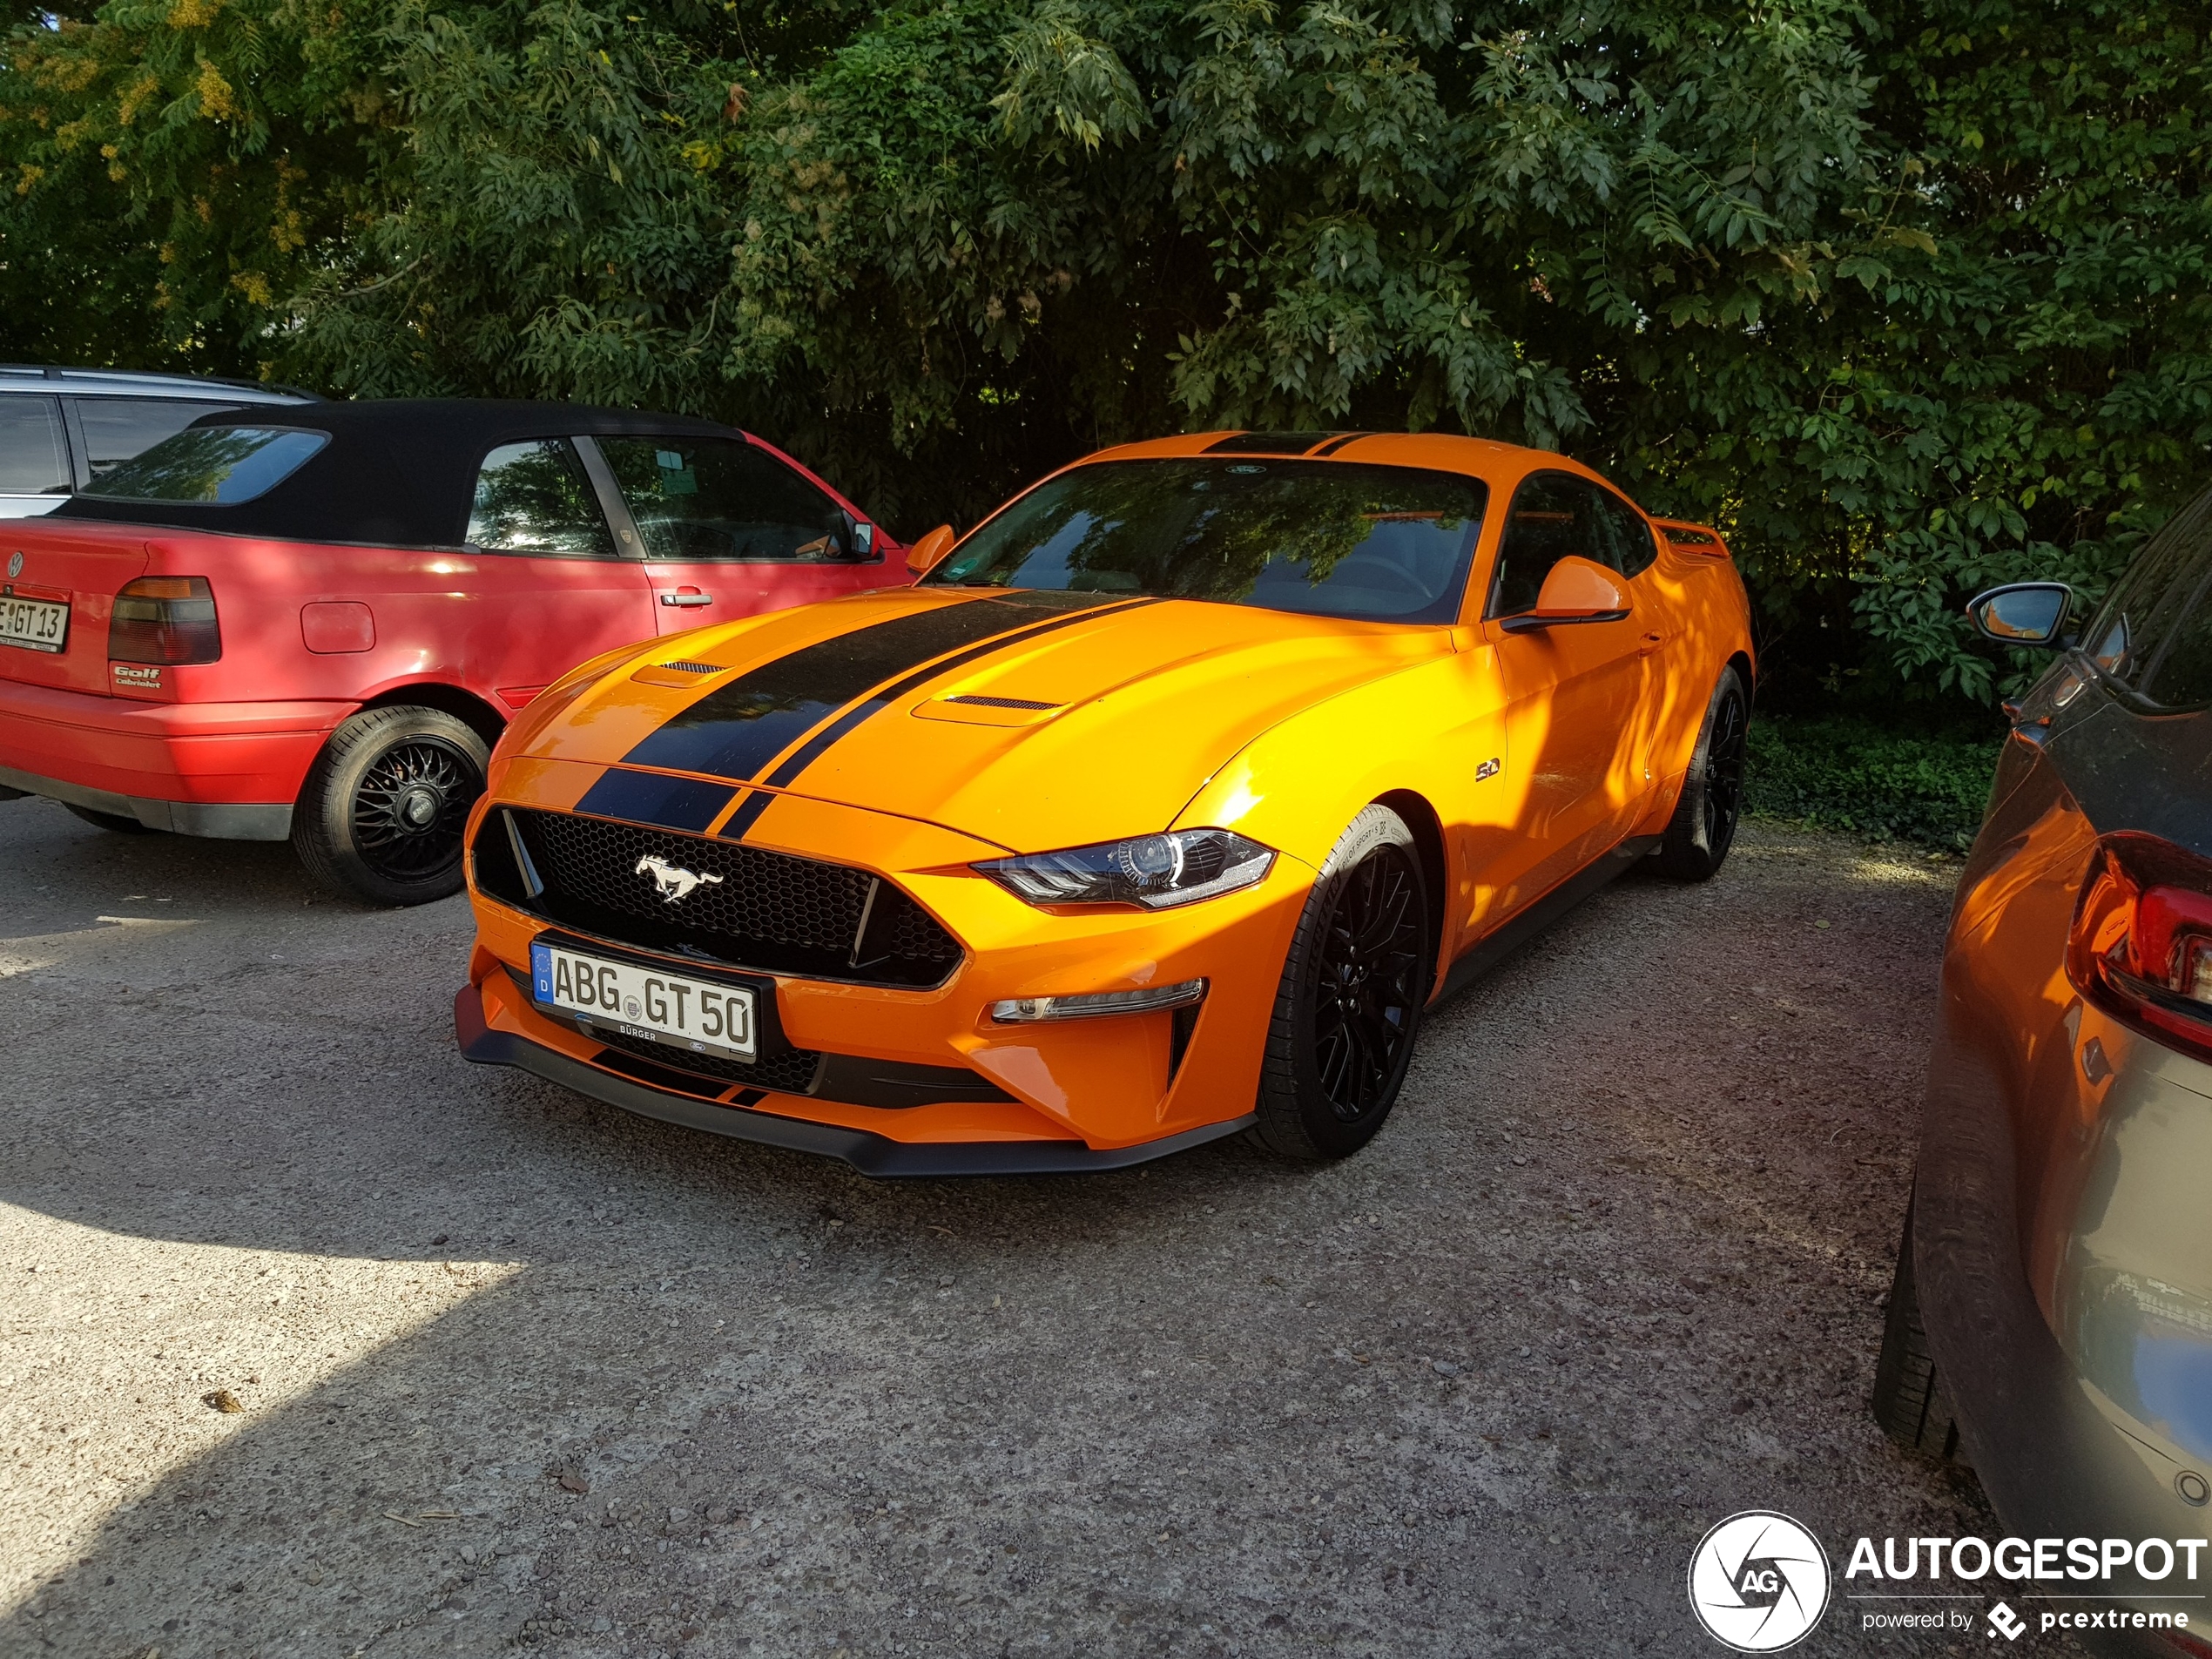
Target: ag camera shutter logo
pixel 1758 1582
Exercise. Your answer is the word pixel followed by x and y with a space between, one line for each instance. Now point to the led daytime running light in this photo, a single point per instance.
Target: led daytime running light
pixel 1096 1005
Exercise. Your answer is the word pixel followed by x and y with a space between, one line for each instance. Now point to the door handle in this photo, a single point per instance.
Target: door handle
pixel 687 596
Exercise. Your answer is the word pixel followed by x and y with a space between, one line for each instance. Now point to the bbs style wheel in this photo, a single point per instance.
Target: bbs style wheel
pixel 1703 827
pixel 385 803
pixel 1350 996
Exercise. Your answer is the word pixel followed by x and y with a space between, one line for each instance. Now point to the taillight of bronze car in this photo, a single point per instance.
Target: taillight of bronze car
pixel 2141 948
pixel 164 619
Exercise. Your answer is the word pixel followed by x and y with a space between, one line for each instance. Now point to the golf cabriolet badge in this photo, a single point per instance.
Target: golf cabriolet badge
pixel 672 881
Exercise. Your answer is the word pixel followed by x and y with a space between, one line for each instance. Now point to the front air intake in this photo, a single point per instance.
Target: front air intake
pixel 770 912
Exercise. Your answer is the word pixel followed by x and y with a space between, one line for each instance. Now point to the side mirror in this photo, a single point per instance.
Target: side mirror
pixel 2023 613
pixel 850 540
pixel 1575 590
pixel 925 555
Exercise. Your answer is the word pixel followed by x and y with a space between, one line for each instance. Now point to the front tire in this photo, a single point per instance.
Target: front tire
pixel 382 815
pixel 1350 996
pixel 1704 829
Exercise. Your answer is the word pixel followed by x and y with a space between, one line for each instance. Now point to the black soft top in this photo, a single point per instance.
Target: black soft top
pixel 397 472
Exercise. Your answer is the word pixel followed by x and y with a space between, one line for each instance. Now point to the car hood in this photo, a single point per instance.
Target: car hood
pixel 1029 720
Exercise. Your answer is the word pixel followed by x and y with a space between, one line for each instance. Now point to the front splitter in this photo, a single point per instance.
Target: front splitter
pixel 873 1155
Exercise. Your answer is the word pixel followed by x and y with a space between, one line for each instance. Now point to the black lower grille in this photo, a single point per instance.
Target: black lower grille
pixel 792 1072
pixel 750 908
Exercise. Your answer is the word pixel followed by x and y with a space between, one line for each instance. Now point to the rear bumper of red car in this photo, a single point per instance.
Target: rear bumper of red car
pixel 229 769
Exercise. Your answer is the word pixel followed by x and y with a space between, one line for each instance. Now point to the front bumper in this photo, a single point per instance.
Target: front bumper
pixel 230 770
pixel 873 1155
pixel 1118 1088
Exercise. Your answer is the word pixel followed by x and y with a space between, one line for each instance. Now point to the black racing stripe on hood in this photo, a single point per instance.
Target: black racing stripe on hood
pixel 649 797
pixel 816 745
pixel 747 815
pixel 743 723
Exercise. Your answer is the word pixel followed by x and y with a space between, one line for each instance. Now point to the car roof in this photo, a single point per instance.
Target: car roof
pixel 132 382
pixel 397 472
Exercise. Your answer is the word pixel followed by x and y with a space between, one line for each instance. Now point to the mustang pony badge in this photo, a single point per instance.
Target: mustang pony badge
pixel 673 880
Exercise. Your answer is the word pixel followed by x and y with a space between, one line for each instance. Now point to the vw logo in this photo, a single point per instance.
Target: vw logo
pixel 672 881
pixel 15 565
pixel 1758 1582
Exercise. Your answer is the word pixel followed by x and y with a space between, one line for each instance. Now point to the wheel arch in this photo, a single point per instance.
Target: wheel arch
pixel 466 706
pixel 1436 866
pixel 1741 662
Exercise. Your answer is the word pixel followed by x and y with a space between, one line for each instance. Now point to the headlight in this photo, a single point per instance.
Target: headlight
pixel 1155 870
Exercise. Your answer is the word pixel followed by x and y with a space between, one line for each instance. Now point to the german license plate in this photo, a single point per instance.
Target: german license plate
pixel 696 1014
pixel 35 624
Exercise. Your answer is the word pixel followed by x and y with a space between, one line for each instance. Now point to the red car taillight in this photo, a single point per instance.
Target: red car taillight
pixel 164 619
pixel 2141 948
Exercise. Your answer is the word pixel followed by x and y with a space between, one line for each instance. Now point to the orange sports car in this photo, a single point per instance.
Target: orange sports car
pixel 1157 811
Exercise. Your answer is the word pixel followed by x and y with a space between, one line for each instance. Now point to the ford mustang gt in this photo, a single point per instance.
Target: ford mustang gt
pixel 1157 811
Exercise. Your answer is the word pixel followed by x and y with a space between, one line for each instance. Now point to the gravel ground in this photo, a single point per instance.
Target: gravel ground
pixel 492 1363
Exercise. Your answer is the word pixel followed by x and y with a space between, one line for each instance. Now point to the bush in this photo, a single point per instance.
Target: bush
pixel 1927 789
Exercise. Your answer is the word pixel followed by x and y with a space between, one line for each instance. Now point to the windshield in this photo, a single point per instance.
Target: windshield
pixel 221 464
pixel 1326 538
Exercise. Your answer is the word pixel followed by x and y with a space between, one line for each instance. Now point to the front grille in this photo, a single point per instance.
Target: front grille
pixel 769 911
pixel 792 1072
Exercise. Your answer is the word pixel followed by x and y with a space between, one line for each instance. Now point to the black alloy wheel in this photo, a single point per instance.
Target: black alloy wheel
pixel 386 803
pixel 1367 997
pixel 1349 1004
pixel 409 809
pixel 1703 826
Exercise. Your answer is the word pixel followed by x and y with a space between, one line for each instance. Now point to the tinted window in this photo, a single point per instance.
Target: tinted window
pixel 1326 538
pixel 34 458
pixel 221 464
pixel 536 497
pixel 1633 548
pixel 722 498
pixel 1553 515
pixel 117 428
pixel 2153 634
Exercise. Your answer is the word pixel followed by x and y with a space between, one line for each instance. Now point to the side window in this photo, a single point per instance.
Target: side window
pixel 34 456
pixel 536 497
pixel 1553 514
pixel 1634 548
pixel 2180 676
pixel 118 429
pixel 720 498
pixel 2154 626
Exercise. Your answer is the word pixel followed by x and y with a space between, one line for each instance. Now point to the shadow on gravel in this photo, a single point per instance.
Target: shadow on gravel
pixel 1611 1274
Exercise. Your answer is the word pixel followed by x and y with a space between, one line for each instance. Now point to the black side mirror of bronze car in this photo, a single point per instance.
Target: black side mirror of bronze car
pixel 2024 613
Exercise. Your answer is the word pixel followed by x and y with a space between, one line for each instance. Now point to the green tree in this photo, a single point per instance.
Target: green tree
pixel 1906 300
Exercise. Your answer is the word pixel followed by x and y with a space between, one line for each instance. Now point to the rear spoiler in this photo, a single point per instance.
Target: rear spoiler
pixel 1685 537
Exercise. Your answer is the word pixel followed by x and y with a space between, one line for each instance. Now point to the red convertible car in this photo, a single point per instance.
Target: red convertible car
pixel 312 622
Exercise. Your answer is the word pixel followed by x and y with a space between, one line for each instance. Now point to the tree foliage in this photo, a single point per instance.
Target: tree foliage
pixel 1908 300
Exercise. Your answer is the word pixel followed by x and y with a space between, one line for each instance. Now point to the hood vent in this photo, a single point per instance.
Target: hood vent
pixel 1002 703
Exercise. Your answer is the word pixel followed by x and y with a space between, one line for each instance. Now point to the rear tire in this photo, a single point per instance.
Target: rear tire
pixel 382 815
pixel 114 823
pixel 1350 1000
pixel 1704 829
pixel 1909 1401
